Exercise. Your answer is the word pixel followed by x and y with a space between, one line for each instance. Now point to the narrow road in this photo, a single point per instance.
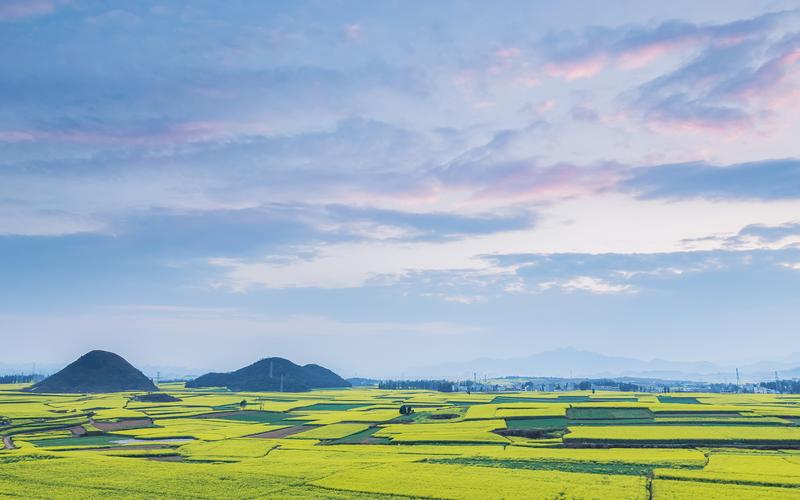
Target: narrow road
pixel 8 443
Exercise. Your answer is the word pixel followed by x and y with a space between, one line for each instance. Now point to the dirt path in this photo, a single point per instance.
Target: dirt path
pixel 8 443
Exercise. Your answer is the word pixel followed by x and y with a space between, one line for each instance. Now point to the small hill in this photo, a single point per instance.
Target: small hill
pixel 96 371
pixel 272 374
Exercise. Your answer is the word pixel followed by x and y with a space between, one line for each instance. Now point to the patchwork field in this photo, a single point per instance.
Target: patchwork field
pixel 353 443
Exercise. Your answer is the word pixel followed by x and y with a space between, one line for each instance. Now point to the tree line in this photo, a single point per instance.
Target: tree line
pixel 17 379
pixel 430 385
pixel 783 386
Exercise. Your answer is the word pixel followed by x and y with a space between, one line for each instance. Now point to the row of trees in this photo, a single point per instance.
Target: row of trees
pixel 17 379
pixel 430 385
pixel 605 382
pixel 783 386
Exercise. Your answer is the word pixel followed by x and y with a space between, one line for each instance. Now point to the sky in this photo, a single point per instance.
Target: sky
pixel 375 186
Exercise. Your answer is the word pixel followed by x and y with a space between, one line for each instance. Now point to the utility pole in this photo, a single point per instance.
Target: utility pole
pixel 777 383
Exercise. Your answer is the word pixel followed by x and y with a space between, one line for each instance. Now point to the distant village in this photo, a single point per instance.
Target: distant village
pixel 547 384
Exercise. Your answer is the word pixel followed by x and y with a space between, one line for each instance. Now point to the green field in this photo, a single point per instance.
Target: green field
pixel 355 444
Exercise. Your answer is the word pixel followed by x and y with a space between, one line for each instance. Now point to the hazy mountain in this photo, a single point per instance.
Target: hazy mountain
pixel 570 362
pixel 272 374
pixel 167 372
pixel 96 371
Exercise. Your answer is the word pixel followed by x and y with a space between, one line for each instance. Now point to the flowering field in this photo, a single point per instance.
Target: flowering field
pixel 355 444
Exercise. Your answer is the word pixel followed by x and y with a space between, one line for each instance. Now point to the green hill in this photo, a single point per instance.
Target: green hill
pixel 96 371
pixel 272 374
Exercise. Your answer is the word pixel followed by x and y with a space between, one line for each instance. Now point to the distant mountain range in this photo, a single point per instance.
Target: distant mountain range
pixel 570 362
pixel 565 363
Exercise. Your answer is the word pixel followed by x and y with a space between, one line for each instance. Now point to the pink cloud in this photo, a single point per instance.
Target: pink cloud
pixel 527 80
pixel 699 125
pixel 546 106
pixel 772 75
pixel 576 68
pixel 508 52
pixel 353 32
pixel 21 9
pixel 543 183
pixel 645 55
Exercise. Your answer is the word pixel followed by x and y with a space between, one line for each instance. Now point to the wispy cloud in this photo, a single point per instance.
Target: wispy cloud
pixel 755 236
pixel 11 10
pixel 588 284
pixel 762 180
pixel 581 55
pixel 731 85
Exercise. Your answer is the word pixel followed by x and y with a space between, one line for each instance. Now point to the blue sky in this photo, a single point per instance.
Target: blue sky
pixel 375 186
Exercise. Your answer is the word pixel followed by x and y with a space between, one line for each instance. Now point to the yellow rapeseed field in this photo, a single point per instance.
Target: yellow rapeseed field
pixel 355 444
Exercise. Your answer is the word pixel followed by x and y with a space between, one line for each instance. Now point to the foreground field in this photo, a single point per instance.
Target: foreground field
pixel 354 443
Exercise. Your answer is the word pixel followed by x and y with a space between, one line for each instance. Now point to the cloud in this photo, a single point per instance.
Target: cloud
pixel 755 236
pixel 34 222
pixel 503 169
pixel 763 180
pixel 585 54
pixel 584 113
pixel 458 299
pixel 11 10
pixel 101 189
pixel 732 85
pixel 770 234
pixel 138 134
pixel 428 226
pixel 588 284
pixel 353 32
pixel 349 265
pixel 629 274
pixel 576 68
pixel 606 273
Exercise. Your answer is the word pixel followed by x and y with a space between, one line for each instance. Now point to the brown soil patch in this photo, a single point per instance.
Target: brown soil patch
pixel 282 433
pixel 77 430
pixel 123 424
pixel 8 443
